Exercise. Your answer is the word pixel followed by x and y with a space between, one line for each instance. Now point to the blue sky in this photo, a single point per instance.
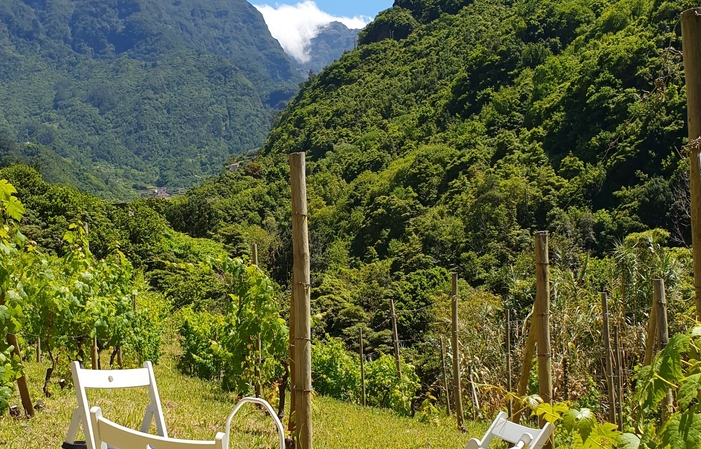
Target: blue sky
pixel 295 23
pixel 352 8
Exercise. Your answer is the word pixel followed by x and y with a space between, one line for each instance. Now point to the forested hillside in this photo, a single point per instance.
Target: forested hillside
pixel 454 132
pixel 121 95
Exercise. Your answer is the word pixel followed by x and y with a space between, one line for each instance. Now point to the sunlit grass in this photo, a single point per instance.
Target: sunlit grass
pixel 196 409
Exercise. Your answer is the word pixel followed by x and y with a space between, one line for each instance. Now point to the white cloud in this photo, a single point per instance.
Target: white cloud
pixel 295 26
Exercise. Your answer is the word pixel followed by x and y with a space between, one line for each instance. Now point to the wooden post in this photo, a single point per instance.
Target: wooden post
pixel 445 380
pixel 38 348
pixel 619 376
pixel 457 393
pixel 475 400
pixel 542 314
pixel 527 362
pixel 362 368
pixel 259 343
pixel 691 48
pixel 651 333
pixel 607 354
pixel 22 385
pixel 302 301
pixel 659 292
pixel 120 358
pixel 509 405
pixel 292 425
pixel 396 340
pixel 93 352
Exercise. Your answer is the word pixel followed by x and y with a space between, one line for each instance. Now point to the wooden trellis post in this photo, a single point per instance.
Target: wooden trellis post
pixel 663 339
pixel 301 301
pixel 527 362
pixel 691 47
pixel 457 393
pixel 542 315
pixel 509 405
pixel 607 354
pixel 445 380
pixel 362 368
pixel 395 336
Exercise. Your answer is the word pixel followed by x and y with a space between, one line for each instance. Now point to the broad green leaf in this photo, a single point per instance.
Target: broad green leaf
pixel 682 431
pixel 628 441
pixel 582 421
pixel 689 390
pixel 15 209
pixel 546 411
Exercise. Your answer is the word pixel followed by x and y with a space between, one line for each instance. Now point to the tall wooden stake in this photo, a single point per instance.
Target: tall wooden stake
pixel 93 353
pixel 663 339
pixel 607 354
pixel 292 424
pixel 457 393
pixel 22 385
pixel 38 345
pixel 259 343
pixel 542 314
pixel 445 380
pixel 362 368
pixel 651 333
pixel 396 340
pixel 527 362
pixel 691 47
pixel 508 361
pixel 619 376
pixel 302 300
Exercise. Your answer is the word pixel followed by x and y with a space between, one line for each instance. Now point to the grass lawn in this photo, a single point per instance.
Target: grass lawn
pixel 197 409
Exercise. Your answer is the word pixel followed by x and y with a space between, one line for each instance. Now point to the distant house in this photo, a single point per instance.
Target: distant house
pixel 235 166
pixel 162 192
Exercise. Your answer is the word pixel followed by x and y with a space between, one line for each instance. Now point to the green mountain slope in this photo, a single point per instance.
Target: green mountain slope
pixel 140 92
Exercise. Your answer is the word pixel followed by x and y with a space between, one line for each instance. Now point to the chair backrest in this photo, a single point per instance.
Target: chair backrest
pixel 111 379
pixel 513 433
pixel 120 437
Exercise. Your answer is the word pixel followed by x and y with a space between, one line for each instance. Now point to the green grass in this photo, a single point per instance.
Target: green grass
pixel 197 409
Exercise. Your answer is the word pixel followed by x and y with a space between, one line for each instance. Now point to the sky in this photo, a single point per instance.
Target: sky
pixel 295 23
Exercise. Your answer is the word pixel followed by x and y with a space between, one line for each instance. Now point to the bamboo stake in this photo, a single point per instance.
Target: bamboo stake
pixel 528 352
pixel 292 425
pixel 475 400
pixel 659 292
pixel 259 343
pixel 93 353
pixel 619 376
pixel 545 379
pixel 651 333
pixel 22 385
pixel 445 380
pixel 457 393
pixel 691 43
pixel 607 354
pixel 395 334
pixel 509 406
pixel 38 348
pixel 302 300
pixel 362 368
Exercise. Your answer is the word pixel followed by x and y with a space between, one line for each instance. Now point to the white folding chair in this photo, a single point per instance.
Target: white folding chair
pixel 109 434
pixel 111 379
pixel 520 436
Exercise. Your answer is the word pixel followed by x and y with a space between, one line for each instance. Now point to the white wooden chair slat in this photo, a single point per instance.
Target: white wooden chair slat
pixel 110 379
pixel 120 437
pixel 520 436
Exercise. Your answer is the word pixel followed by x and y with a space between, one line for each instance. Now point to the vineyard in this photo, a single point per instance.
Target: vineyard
pixel 499 200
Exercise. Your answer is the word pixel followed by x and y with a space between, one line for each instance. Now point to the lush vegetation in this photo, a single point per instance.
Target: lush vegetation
pixel 444 145
pixel 454 132
pixel 120 96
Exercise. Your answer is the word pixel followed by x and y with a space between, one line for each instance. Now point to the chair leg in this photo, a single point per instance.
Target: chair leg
pixel 73 428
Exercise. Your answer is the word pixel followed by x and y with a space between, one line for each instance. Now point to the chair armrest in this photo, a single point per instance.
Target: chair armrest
pixel 264 403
